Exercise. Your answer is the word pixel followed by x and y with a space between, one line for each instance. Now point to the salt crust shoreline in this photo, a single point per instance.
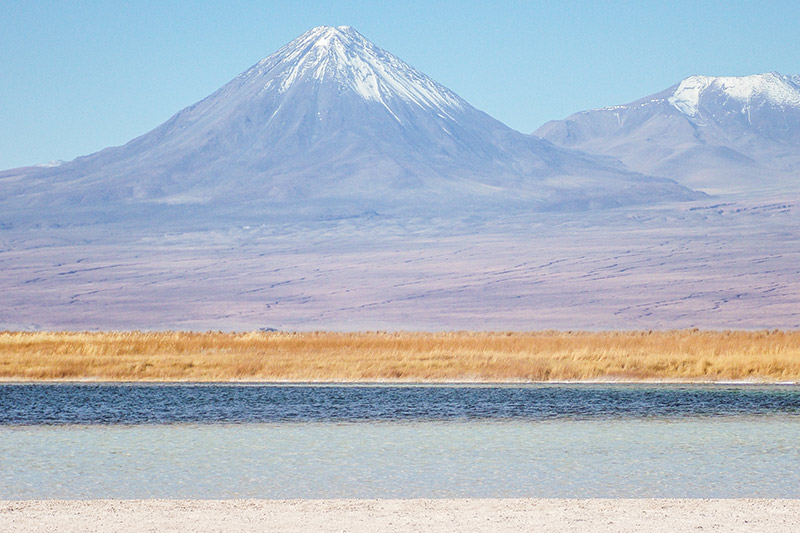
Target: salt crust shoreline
pixel 372 516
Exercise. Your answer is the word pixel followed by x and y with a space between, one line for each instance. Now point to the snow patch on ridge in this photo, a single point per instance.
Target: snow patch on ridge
pixel 51 164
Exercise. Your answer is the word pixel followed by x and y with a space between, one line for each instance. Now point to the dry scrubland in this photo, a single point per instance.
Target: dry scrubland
pixel 380 356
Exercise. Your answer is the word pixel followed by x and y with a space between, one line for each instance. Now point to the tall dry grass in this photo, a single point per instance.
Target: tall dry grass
pixel 379 356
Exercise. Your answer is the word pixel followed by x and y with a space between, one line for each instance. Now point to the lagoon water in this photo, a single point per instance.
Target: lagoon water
pixel 289 441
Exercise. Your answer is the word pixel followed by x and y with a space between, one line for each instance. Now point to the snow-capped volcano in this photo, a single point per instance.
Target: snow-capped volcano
pixel 332 125
pixel 716 133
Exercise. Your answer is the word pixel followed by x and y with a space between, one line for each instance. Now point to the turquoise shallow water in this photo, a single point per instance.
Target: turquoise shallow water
pixel 731 457
pixel 267 441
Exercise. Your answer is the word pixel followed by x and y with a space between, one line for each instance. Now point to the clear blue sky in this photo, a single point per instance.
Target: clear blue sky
pixel 78 76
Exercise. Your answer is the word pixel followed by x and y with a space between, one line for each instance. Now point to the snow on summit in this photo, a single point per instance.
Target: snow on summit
pixel 343 55
pixel 772 88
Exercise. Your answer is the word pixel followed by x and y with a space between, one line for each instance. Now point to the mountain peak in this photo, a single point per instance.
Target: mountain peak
pixel 342 56
pixel 329 31
pixel 770 88
pixel 331 36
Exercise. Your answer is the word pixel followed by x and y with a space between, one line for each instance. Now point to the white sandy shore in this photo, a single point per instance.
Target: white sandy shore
pixel 372 516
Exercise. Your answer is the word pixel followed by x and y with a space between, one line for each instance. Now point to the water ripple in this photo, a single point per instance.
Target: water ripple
pixel 133 404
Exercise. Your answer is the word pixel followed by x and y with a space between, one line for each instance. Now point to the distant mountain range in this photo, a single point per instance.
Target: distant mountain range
pixel 332 125
pixel 724 134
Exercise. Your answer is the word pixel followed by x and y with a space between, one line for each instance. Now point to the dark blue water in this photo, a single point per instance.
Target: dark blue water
pixel 54 404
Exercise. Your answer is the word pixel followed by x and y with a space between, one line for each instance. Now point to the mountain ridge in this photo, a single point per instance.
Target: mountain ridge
pixel 721 134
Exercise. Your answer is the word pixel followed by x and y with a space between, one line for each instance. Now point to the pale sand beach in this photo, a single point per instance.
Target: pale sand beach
pixel 556 515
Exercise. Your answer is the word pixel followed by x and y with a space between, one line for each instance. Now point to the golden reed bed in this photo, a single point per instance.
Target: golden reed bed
pixel 379 356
